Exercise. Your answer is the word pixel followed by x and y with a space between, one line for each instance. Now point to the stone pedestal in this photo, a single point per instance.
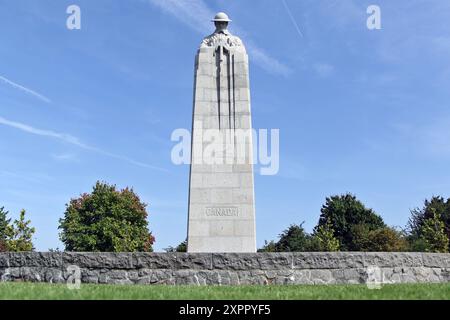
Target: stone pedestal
pixel 221 193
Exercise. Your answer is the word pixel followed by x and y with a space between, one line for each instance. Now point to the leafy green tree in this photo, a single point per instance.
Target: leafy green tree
pixel 182 247
pixel 417 244
pixel 324 238
pixel 385 239
pixel 4 229
pixel 107 220
pixel 433 234
pixel 269 246
pixel 344 212
pixel 21 235
pixel 437 205
pixel 294 239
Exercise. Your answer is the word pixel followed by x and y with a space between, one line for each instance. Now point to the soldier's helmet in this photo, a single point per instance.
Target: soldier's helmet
pixel 221 17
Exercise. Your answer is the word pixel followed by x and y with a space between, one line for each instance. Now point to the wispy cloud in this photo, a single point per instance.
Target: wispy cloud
pixel 25 89
pixel 429 137
pixel 197 15
pixel 324 70
pixel 26 176
pixel 64 157
pixel 67 138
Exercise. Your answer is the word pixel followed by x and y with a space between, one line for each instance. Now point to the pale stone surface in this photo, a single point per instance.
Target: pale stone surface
pixel 221 190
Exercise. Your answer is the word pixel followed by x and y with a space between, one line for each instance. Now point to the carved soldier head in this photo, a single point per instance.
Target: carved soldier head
pixel 221 21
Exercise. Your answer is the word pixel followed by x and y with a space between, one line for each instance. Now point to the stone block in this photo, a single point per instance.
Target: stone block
pixel 156 277
pixel 220 244
pixel 200 195
pixel 244 228
pixel 199 227
pixel 4 260
pixel 151 260
pixel 440 260
pixel 242 195
pixel 35 259
pixel 223 196
pixel 393 259
pixel 193 261
pixel 244 94
pixel 328 260
pixel 255 261
pixel 98 260
pixel 221 228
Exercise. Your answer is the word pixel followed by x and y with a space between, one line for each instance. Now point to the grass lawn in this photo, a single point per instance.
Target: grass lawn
pixel 36 291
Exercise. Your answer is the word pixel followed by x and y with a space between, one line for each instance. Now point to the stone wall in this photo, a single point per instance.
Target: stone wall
pixel 226 268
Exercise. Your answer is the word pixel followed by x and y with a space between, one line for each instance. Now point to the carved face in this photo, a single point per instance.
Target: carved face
pixel 221 25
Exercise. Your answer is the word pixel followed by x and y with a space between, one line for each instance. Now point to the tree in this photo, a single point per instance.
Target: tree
pixel 4 229
pixel 294 239
pixel 437 205
pixel 344 212
pixel 182 247
pixel 433 234
pixel 385 239
pixel 269 246
pixel 106 220
pixel 324 238
pixel 21 235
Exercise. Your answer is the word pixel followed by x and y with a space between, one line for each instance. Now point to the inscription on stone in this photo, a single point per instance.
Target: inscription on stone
pixel 222 211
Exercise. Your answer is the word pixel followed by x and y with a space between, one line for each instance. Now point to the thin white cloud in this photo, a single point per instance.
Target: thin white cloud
pixel 74 141
pixel 266 62
pixel 324 70
pixel 197 15
pixel 64 157
pixel 25 89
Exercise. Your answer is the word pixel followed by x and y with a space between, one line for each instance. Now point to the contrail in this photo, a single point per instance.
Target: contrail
pixel 292 18
pixel 24 89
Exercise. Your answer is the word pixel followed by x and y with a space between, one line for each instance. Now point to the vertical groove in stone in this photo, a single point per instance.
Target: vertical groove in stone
pixel 234 95
pixel 218 74
pixel 229 87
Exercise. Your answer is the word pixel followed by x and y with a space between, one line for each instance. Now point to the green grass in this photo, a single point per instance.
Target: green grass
pixel 37 291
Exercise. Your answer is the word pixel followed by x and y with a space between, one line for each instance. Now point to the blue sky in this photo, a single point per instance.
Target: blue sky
pixel 359 111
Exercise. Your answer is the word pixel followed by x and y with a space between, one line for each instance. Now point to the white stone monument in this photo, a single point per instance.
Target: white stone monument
pixel 221 193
